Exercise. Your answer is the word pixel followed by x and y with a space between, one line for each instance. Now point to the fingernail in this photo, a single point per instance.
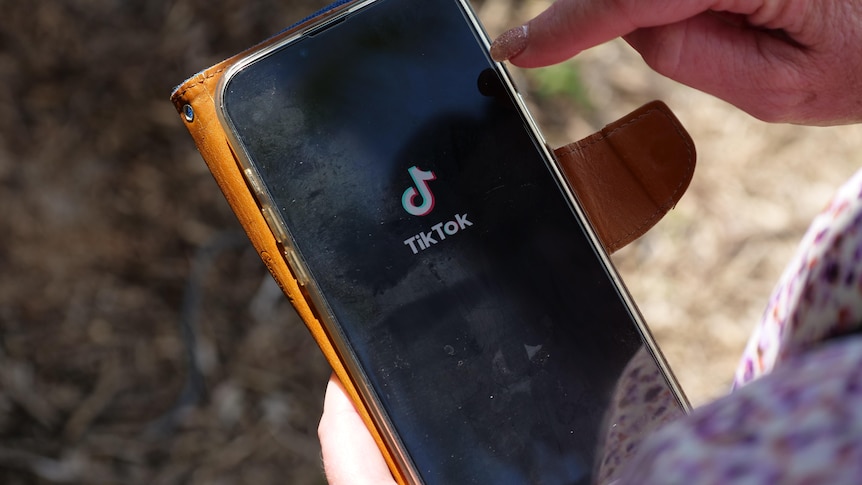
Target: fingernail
pixel 509 44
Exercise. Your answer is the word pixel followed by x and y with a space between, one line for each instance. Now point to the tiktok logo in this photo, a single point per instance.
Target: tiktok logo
pixel 438 232
pixel 408 200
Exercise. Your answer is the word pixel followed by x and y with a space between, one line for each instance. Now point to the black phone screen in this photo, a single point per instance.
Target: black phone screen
pixel 485 321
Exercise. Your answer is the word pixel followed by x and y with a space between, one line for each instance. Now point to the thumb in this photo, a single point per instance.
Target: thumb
pixel 350 454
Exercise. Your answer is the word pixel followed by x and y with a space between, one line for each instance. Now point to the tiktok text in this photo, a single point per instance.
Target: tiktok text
pixel 438 232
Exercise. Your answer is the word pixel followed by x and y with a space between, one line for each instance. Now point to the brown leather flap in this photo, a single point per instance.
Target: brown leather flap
pixel 628 175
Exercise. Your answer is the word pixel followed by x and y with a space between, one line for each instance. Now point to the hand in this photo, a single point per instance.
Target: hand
pixel 350 455
pixel 780 60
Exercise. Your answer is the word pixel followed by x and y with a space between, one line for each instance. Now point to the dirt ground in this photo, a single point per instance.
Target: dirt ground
pixel 141 340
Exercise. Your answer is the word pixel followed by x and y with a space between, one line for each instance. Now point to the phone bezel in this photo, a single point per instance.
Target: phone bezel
pixel 298 266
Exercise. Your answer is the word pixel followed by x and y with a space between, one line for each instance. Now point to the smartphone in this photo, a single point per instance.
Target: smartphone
pixel 422 212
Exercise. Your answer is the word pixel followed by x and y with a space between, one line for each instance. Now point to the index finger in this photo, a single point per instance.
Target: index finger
pixel 570 26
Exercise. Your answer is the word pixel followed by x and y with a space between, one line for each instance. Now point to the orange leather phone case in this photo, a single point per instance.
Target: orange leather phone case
pixel 626 176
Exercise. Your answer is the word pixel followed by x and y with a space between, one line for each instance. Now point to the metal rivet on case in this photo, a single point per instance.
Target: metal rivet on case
pixel 189 113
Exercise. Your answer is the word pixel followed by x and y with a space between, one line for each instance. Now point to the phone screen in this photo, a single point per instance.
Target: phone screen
pixel 486 323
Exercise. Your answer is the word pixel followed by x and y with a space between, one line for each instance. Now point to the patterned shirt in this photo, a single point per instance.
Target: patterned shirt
pixel 794 415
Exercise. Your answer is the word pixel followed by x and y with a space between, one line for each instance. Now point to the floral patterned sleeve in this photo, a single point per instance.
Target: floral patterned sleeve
pixel 795 413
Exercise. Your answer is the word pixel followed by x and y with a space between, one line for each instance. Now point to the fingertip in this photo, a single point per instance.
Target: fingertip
pixel 510 44
pixel 537 43
pixel 336 396
pixel 336 405
pixel 349 452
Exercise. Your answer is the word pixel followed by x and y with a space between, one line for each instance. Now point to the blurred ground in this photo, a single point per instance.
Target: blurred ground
pixel 117 247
